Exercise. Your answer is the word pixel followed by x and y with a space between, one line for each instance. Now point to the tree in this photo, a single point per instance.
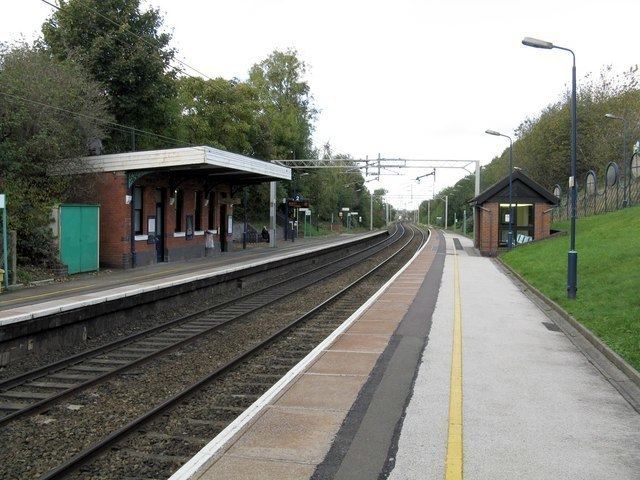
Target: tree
pixel 46 108
pixel 286 104
pixel 124 49
pixel 219 113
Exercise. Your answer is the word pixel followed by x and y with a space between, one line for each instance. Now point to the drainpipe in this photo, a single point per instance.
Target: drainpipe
pixel 133 229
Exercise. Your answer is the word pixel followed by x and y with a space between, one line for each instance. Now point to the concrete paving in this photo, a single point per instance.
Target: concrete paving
pixel 533 405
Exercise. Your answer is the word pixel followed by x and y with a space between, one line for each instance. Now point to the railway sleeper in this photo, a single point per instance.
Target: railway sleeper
pixel 226 408
pixel 71 376
pixel 52 385
pixel 26 395
pixel 108 361
pixel 89 368
pixel 214 424
pixel 156 457
pixel 253 386
pixel 12 406
pixel 267 376
pixel 139 351
pixel 177 437
pixel 128 357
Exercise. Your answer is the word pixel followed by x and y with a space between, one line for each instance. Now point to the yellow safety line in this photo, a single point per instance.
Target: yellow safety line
pixel 453 465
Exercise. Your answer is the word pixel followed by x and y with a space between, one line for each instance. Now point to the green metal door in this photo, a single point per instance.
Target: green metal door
pixel 79 237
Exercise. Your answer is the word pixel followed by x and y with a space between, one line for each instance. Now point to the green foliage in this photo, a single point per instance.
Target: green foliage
pixel 219 113
pixel 34 140
pixel 102 35
pixel 607 302
pixel 543 145
pixel 286 104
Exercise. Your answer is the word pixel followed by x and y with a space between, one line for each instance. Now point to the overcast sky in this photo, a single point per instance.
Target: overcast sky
pixel 403 78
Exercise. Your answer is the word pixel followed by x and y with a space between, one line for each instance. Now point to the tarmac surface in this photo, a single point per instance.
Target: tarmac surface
pixel 451 372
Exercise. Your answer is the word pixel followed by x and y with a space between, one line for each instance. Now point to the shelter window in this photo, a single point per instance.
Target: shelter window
pixel 137 210
pixel 522 223
pixel 179 195
pixel 198 211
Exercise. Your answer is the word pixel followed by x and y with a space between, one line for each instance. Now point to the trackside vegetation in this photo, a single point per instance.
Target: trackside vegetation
pixel 608 300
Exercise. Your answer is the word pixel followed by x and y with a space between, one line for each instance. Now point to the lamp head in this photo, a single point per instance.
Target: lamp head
pixel 534 42
pixel 611 115
pixel 493 132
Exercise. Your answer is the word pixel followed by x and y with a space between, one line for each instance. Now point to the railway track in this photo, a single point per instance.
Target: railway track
pixel 234 364
pixel 158 442
pixel 34 391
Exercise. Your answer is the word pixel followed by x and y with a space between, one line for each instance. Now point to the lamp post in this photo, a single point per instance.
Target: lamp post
pixel 572 264
pixel 625 193
pixel 446 211
pixel 510 233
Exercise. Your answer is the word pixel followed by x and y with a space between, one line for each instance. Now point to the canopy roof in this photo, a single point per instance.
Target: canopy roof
pixel 213 162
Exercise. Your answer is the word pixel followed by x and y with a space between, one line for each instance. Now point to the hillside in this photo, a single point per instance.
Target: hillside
pixel 608 300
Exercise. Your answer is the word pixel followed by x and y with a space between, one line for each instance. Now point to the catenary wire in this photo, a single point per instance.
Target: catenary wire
pixel 96 119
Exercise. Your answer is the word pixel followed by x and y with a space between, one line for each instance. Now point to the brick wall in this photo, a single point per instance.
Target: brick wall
pixel 487 234
pixel 115 219
pixel 542 220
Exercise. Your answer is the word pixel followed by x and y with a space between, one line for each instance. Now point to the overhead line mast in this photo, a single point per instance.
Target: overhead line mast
pixel 359 164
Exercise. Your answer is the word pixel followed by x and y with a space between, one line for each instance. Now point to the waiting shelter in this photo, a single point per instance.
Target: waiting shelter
pixel 532 205
pixel 165 205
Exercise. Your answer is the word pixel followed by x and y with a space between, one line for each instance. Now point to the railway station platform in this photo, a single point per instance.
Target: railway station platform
pixel 88 289
pixel 449 368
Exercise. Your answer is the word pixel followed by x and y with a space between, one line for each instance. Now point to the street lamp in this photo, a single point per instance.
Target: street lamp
pixel 625 194
pixel 510 234
pixel 572 264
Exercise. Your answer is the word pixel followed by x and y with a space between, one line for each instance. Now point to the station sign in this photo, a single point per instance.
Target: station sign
pixel 291 202
pixel 2 200
pixel 345 209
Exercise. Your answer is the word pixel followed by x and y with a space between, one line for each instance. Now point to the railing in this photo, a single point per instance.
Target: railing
pixel 591 201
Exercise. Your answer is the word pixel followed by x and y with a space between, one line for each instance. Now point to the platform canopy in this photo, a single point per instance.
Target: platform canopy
pixel 213 162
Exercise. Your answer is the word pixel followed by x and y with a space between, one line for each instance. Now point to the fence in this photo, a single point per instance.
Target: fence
pixel 617 191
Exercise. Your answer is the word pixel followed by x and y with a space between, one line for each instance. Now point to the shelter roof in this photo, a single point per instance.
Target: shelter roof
pixel 524 189
pixel 211 161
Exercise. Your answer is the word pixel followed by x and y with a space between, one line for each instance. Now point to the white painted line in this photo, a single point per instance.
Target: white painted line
pixel 216 447
pixel 51 307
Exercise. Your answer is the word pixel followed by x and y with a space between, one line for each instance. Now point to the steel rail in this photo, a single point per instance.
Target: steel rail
pixel 94 450
pixel 105 349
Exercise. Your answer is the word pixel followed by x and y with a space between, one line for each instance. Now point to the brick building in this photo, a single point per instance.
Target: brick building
pixel 532 204
pixel 165 205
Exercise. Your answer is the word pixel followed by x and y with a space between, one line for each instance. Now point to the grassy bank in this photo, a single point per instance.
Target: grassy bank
pixel 608 300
